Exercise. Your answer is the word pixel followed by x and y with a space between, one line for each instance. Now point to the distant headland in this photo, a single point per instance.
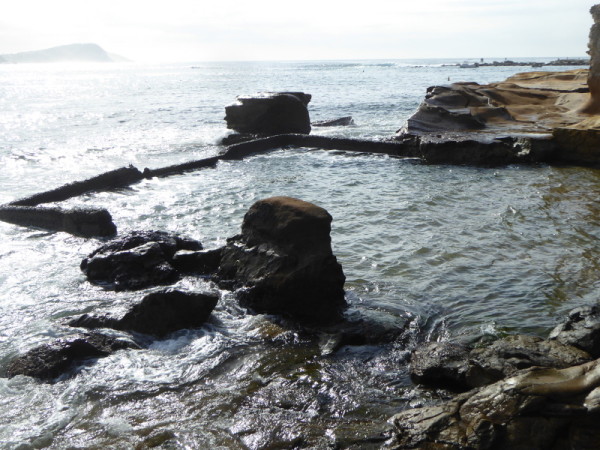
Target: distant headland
pixel 64 53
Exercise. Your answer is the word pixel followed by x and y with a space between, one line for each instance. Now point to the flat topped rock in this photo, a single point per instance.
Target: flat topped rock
pixel 270 113
pixel 288 222
pixel 534 102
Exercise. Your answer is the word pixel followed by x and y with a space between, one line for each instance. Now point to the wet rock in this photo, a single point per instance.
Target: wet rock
pixel 270 113
pixel 137 260
pixel 49 361
pixel 203 262
pixel 579 143
pixel 455 366
pixel 158 314
pixel 441 364
pixel 284 262
pixel 84 222
pixel 341 122
pixel 535 409
pixel 112 179
pixel 581 330
pixel 430 118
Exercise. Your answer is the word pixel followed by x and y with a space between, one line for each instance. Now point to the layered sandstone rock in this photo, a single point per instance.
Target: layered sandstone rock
pixel 535 409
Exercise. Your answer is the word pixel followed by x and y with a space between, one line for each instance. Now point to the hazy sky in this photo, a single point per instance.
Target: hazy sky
pixel 195 30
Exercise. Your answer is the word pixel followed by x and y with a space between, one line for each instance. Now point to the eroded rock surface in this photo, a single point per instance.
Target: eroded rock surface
pixel 455 366
pixel 137 260
pixel 158 314
pixel 581 330
pixel 284 262
pixel 531 102
pixel 535 409
pixel 49 361
pixel 593 105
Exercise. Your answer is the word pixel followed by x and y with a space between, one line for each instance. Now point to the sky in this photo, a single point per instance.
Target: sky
pixel 235 30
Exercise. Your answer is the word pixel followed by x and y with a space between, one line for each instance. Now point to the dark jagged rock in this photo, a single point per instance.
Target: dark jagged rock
pixel 435 118
pixel 139 259
pixel 203 262
pixel 341 122
pixel 158 314
pixel 49 361
pixel 84 222
pixel 581 330
pixel 535 409
pixel 112 179
pixel 441 364
pixel 270 113
pixel 181 168
pixel 284 262
pixel 455 366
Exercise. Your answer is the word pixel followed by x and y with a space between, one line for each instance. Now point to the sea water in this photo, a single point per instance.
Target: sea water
pixel 441 252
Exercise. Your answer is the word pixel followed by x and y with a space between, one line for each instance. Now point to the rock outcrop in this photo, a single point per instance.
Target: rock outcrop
pixel 50 361
pixel 581 330
pixel 158 314
pixel 455 366
pixel 137 260
pixel 535 409
pixel 270 113
pixel 532 102
pixel 593 105
pixel 284 262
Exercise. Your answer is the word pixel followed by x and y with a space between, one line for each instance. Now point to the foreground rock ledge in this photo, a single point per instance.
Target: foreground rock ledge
pixel 283 262
pixel 536 409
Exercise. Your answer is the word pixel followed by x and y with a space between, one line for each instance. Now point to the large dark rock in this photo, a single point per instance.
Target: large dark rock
pixel 455 366
pixel 49 361
pixel 202 262
pixel 535 409
pixel 158 314
pixel 581 330
pixel 283 259
pixel 270 113
pixel 137 260
pixel 84 222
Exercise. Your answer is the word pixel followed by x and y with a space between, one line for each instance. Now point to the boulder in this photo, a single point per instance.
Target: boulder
pixel 270 113
pixel 284 262
pixel 49 361
pixel 535 409
pixel 137 260
pixel 581 330
pixel 158 314
pixel 457 367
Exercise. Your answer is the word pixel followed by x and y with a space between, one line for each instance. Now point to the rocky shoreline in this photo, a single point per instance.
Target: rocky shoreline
pixel 516 392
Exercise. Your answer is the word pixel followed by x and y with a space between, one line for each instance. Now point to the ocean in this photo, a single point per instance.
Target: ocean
pixel 441 252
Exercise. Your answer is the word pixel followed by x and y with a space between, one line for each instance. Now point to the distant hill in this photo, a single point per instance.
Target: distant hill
pixel 64 53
